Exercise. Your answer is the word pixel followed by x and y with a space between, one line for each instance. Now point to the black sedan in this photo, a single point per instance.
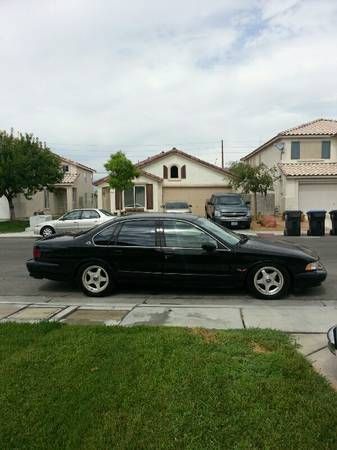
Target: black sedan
pixel 180 249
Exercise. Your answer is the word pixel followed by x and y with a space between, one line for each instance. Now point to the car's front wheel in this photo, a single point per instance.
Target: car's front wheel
pixel 268 282
pixel 47 231
pixel 96 279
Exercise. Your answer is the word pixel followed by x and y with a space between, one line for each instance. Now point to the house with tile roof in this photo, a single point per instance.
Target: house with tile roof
pixel 171 175
pixel 76 190
pixel 306 158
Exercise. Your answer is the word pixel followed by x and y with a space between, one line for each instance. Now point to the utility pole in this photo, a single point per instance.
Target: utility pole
pixel 222 162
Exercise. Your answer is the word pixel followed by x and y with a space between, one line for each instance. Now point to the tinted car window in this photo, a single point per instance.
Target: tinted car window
pixel 105 236
pixel 140 233
pixel 184 235
pixel 223 233
pixel 72 215
pixel 90 214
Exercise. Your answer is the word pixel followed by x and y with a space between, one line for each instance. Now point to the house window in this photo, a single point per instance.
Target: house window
pixel 65 168
pixel 135 197
pixel 326 150
pixel 295 150
pixel 174 172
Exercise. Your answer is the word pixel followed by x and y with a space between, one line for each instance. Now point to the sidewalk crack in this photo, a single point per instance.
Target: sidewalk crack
pixel 242 318
pixel 316 351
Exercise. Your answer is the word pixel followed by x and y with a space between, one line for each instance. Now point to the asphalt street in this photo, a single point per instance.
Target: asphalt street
pixel 15 282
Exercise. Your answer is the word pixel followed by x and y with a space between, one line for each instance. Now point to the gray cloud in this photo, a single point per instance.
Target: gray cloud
pixel 90 77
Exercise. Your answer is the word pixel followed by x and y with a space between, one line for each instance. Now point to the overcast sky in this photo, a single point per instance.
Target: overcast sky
pixel 90 77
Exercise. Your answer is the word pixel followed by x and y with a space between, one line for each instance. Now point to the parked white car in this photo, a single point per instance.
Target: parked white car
pixel 177 207
pixel 74 221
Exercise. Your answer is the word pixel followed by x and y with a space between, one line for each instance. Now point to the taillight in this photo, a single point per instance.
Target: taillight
pixel 36 252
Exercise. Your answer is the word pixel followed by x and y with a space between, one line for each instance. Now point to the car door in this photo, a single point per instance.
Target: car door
pixel 186 260
pixel 69 222
pixel 136 252
pixel 89 219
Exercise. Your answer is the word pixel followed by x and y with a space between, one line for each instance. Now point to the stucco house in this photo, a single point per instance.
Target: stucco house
pixel 76 190
pixel 168 176
pixel 306 159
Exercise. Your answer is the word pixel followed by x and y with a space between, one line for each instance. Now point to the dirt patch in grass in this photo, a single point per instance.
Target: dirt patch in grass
pixel 259 348
pixel 208 336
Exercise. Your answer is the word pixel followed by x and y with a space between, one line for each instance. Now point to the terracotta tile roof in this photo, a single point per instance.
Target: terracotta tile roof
pixel 175 151
pixel 68 178
pixel 82 166
pixel 142 172
pixel 318 127
pixel 308 169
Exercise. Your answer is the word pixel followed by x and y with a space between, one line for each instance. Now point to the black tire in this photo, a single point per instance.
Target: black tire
pixel 47 231
pixel 97 287
pixel 256 286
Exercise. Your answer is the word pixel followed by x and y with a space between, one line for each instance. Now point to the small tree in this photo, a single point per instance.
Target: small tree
pixel 252 179
pixel 26 167
pixel 121 172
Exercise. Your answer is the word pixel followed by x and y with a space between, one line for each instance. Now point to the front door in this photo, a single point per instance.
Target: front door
pixel 69 222
pixel 136 252
pixel 185 259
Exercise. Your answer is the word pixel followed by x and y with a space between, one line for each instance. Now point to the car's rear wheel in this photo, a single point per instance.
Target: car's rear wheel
pixel 96 279
pixel 47 231
pixel 268 281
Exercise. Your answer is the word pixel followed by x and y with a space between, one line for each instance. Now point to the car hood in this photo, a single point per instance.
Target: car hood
pixel 278 247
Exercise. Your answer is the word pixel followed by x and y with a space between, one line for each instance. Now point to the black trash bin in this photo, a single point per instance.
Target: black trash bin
pixel 316 222
pixel 333 217
pixel 292 223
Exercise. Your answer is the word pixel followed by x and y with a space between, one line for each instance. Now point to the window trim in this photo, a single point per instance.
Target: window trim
pixel 90 210
pixel 157 239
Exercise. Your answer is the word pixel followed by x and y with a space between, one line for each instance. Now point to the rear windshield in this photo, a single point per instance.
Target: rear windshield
pixel 229 200
pixel 176 205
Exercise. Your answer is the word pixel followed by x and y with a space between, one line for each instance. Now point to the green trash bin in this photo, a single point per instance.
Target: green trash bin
pixel 292 223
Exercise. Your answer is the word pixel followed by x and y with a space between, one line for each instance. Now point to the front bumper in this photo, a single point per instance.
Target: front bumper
pixel 310 279
pixel 332 339
pixel 51 271
pixel 227 221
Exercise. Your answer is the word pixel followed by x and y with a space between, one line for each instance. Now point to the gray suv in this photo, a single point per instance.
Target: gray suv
pixel 229 210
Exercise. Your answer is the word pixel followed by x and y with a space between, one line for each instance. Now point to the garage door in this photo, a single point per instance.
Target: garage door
pixel 317 196
pixel 196 196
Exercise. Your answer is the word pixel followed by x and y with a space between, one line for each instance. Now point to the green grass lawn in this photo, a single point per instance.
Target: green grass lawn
pixel 13 226
pixel 66 387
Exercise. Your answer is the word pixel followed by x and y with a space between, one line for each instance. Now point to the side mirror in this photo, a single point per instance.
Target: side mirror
pixel 247 203
pixel 190 206
pixel 162 206
pixel 209 247
pixel 332 339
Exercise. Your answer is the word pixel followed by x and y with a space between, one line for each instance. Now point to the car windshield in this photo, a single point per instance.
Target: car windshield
pixel 176 205
pixel 224 234
pixel 229 200
pixel 105 212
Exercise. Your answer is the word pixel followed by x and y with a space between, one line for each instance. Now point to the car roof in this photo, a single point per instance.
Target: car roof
pixel 159 216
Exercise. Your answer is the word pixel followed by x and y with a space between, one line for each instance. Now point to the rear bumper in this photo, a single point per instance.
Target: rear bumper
pixel 51 271
pixel 309 279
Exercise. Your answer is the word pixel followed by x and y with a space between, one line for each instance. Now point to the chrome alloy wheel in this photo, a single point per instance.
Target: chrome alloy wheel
pixel 47 231
pixel 95 279
pixel 269 280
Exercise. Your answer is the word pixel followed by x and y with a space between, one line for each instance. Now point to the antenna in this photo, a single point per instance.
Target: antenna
pixel 279 146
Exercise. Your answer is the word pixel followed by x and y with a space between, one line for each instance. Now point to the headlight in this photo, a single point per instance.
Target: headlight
pixel 217 213
pixel 311 267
